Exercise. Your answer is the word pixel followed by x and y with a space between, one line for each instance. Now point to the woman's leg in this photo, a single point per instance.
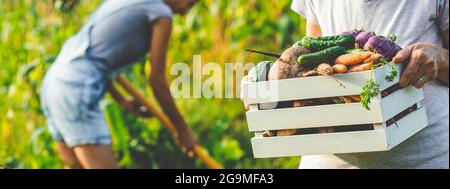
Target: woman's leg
pixel 75 114
pixel 96 157
pixel 68 156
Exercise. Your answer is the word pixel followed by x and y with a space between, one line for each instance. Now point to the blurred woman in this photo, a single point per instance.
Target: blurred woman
pixel 117 35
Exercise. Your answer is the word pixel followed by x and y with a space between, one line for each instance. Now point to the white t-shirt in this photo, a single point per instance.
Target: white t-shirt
pixel 413 21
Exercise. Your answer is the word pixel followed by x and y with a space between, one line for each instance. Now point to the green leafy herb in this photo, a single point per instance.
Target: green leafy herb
pixel 392 74
pixel 337 101
pixel 392 37
pixel 370 90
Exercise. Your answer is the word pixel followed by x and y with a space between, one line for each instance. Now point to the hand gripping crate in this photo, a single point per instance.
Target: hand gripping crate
pixel 380 137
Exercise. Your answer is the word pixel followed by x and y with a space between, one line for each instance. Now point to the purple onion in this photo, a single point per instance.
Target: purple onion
pixel 354 32
pixel 383 46
pixel 362 38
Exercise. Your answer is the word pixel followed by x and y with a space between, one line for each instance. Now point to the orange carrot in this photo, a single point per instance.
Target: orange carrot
pixel 347 100
pixel 287 132
pixel 375 58
pixel 353 58
pixel 356 98
pixel 361 68
pixel 340 68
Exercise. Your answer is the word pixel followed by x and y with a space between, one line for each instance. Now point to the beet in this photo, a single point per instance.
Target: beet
pixel 291 55
pixel 280 71
pixel 383 46
pixel 362 38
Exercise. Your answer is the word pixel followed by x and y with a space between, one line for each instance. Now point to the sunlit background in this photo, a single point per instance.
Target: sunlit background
pixel 33 31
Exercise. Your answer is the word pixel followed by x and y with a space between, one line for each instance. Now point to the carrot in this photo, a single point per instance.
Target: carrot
pixel 353 58
pixel 347 100
pixel 340 68
pixel 287 132
pixel 361 68
pixel 375 58
pixel 356 98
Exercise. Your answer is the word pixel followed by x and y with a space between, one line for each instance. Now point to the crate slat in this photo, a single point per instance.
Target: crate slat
pixel 381 139
pixel 381 73
pixel 312 87
pixel 303 88
pixel 399 101
pixel 407 127
pixel 332 143
pixel 313 117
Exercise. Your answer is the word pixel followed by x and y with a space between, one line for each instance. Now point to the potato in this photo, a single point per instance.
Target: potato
pixel 325 69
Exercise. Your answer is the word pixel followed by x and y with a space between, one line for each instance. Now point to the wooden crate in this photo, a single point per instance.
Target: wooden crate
pixel 381 138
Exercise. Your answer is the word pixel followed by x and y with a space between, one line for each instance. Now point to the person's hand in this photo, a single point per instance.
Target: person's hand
pixel 135 108
pixel 187 141
pixel 424 64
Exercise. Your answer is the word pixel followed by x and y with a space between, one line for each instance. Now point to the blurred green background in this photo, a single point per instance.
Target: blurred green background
pixel 33 31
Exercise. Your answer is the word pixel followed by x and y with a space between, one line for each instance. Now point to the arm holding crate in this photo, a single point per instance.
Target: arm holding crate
pixel 427 62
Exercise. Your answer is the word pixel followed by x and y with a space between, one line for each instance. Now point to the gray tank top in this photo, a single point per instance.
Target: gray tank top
pixel 124 37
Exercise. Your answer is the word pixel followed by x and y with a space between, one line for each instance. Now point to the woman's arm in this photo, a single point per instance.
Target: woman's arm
pixel 162 29
pixel 131 106
pixel 313 30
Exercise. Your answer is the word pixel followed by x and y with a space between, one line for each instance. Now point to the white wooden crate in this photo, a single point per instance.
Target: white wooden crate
pixel 381 138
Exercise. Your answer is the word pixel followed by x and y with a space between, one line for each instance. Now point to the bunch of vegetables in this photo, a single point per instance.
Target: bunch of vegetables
pixel 352 51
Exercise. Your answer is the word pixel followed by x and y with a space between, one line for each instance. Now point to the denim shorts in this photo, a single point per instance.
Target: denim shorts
pixel 70 97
